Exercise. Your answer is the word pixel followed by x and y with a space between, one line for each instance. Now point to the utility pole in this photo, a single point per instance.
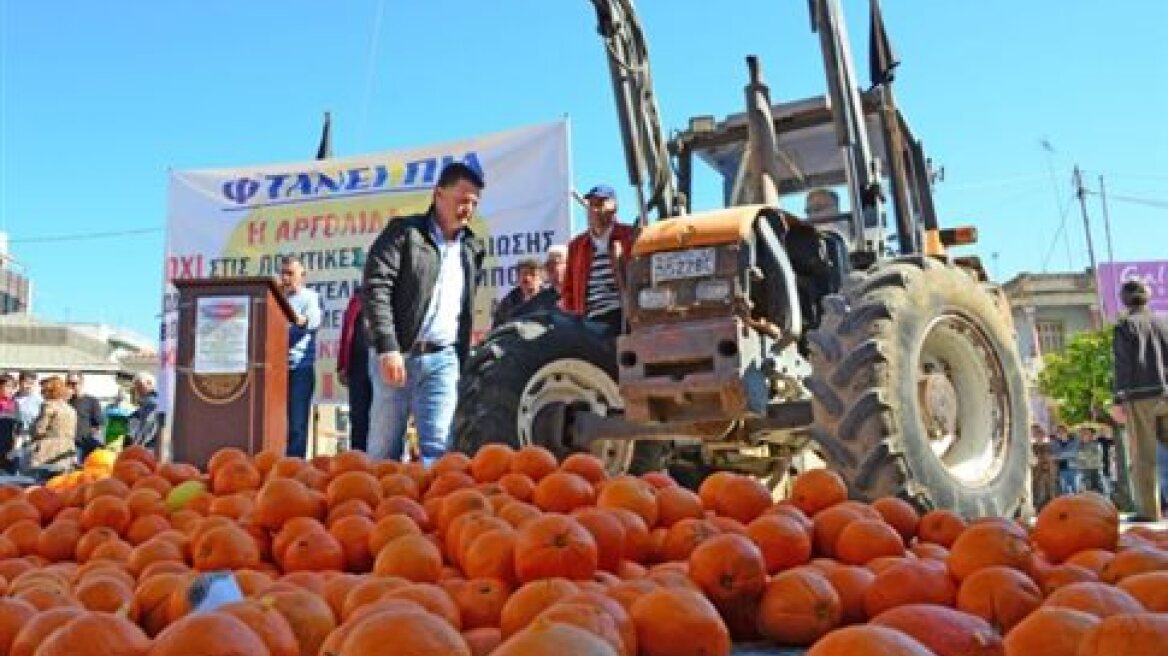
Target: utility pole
pixel 1081 192
pixel 1106 218
pixel 1112 283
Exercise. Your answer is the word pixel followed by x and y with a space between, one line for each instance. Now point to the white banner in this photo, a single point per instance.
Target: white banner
pixel 240 222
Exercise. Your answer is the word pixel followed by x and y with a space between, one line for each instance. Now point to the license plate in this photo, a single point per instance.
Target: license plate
pixel 675 265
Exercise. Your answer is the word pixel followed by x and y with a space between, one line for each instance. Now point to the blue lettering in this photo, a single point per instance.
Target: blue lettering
pixel 412 168
pixel 390 175
pixel 357 179
pixel 381 172
pixel 275 182
pixel 302 186
pixel 323 181
pixel 471 159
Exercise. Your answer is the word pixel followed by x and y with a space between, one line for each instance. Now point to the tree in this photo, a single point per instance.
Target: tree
pixel 1080 377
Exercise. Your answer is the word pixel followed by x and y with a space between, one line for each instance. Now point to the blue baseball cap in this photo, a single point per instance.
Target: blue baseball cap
pixel 601 191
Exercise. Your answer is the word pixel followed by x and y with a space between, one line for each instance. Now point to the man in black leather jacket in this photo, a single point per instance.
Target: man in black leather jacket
pixel 418 292
pixel 1141 385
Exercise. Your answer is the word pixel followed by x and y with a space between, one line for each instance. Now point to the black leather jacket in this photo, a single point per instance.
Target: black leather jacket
pixel 1141 356
pixel 401 269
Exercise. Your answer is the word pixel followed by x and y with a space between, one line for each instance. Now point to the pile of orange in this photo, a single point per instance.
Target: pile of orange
pixel 98 464
pixel 511 552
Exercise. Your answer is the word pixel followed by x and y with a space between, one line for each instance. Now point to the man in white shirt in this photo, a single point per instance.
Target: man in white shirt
pixel 418 291
pixel 301 353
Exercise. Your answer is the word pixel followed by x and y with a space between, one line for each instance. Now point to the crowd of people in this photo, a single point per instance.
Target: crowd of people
pixel 49 424
pixel 1071 461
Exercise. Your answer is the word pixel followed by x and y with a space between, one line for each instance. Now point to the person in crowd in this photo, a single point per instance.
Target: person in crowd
pixel 146 421
pixel 28 401
pixel 1107 443
pixel 117 414
pixel 28 404
pixel 53 444
pixel 90 422
pixel 1045 477
pixel 1140 349
pixel 420 279
pixel 305 304
pixel 594 278
pixel 555 268
pixel 516 302
pixel 1090 462
pixel 1065 448
pixel 9 421
pixel 353 371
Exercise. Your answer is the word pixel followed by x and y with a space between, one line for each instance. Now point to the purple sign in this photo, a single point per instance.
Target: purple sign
pixel 1112 275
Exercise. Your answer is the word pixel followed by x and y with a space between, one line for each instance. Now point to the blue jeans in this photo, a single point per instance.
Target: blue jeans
pixel 430 395
pixel 1070 481
pixel 301 384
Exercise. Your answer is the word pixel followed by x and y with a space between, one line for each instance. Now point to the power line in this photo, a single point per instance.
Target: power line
pixel 998 182
pixel 1058 233
pixel 1046 146
pixel 1148 202
pixel 1140 176
pixel 371 69
pixel 80 236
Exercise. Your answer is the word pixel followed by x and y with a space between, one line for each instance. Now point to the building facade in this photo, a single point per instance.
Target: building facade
pixel 107 356
pixel 1048 310
pixel 15 287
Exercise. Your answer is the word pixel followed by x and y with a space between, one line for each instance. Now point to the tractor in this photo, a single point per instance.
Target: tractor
pixel 757 340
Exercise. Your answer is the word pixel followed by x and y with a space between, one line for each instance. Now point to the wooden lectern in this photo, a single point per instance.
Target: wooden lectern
pixel 231 371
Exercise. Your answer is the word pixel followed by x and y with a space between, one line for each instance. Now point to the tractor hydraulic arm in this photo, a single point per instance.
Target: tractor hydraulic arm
pixel 646 152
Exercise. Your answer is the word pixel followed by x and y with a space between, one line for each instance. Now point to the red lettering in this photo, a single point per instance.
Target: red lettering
pixel 300 227
pixel 255 232
pixel 181 267
pixel 283 231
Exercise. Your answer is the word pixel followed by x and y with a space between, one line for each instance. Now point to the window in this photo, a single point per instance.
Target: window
pixel 1051 336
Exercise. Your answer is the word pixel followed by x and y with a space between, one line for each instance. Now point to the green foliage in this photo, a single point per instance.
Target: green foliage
pixel 1080 377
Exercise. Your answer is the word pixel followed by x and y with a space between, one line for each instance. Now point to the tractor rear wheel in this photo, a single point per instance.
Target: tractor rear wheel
pixel 517 382
pixel 918 390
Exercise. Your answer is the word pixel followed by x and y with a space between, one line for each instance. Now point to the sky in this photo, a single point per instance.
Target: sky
pixel 98 101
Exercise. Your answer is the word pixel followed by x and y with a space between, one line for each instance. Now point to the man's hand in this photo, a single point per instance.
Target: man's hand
pixel 393 368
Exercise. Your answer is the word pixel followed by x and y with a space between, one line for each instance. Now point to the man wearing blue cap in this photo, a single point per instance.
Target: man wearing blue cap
pixel 592 285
